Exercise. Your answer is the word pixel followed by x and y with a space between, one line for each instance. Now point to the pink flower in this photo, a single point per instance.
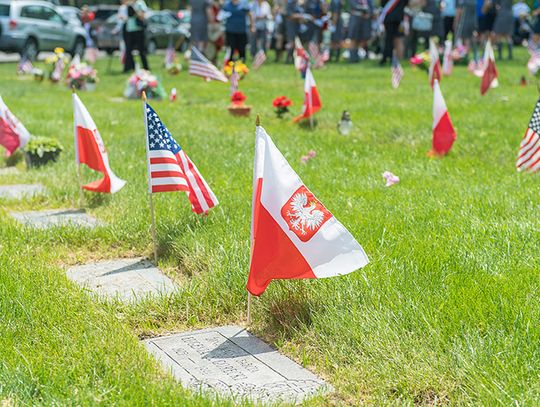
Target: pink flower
pixel 312 153
pixel 304 159
pixel 390 178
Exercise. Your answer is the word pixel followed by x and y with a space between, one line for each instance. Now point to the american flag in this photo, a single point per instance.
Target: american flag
pixel 534 61
pixel 59 66
pixel 200 66
pixel 319 58
pixel 235 78
pixel 25 66
pixel 169 167
pixel 529 149
pixel 259 59
pixel 397 73
pixel 170 55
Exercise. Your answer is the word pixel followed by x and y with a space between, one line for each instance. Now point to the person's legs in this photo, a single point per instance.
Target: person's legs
pixel 242 43
pixel 141 47
pixel 129 64
pixel 390 33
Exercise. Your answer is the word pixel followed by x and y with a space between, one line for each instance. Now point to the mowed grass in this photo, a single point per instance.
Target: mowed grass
pixel 446 312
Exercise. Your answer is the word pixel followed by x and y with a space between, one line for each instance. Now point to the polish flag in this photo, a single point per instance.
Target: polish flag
pixel 444 134
pixel 293 235
pixel 489 79
pixel 435 64
pixel 13 134
pixel 448 62
pixel 312 101
pixel 90 150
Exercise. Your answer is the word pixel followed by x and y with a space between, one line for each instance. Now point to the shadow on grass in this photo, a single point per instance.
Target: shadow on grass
pixel 93 200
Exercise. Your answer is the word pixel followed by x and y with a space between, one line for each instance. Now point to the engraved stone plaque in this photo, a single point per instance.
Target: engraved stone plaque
pixel 56 218
pixel 9 171
pixel 125 279
pixel 20 191
pixel 235 364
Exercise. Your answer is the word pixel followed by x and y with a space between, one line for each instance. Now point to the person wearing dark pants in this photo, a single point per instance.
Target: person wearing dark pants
pixel 393 17
pixel 236 26
pixel 134 35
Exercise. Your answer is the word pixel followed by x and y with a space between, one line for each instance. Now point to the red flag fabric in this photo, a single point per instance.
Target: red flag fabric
pixel 292 234
pixel 312 101
pixel 435 64
pixel 90 150
pixel 13 134
pixel 489 78
pixel 444 134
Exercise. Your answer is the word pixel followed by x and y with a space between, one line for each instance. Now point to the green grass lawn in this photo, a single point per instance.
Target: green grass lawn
pixel 446 312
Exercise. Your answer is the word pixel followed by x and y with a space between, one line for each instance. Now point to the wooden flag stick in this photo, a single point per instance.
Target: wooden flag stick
pixel 249 309
pixel 258 121
pixel 79 181
pixel 150 198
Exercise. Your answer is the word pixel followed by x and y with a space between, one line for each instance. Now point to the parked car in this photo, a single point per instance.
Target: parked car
pixel 28 27
pixel 70 14
pixel 161 28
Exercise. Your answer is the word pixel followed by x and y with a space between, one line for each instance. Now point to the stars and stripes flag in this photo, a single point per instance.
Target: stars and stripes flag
pixel 200 66
pixel 235 78
pixel 397 73
pixel 529 149
pixel 169 167
pixel 170 55
pixel 59 66
pixel 25 66
pixel 319 58
pixel 448 62
pixel 259 59
pixel 533 65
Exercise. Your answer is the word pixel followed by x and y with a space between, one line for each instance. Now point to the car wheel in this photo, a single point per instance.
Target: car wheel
pixel 152 47
pixel 30 49
pixel 78 48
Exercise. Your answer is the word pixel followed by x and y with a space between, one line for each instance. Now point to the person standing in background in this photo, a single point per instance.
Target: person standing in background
pixel 279 34
pixel 294 18
pixel 336 29
pixel 237 12
pixel 314 11
pixel 135 27
pixel 200 15
pixel 392 16
pixel 486 18
pixel 359 34
pixel 121 19
pixel 87 17
pixel 262 14
pixel 466 25
pixel 448 14
pixel 504 26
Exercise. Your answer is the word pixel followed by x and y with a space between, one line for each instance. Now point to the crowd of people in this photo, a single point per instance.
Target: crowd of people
pixel 349 29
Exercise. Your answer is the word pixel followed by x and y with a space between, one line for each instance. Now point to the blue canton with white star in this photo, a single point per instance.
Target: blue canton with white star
pixel 159 137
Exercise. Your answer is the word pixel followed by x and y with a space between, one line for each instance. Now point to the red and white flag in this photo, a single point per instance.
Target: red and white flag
pixel 448 62
pixel 259 59
pixel 312 101
pixel 301 57
pixel 90 150
pixel 13 134
pixel 434 64
pixel 444 134
pixel 529 149
pixel 489 78
pixel 293 235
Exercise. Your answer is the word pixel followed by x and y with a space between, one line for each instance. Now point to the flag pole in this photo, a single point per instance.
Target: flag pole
pixel 150 198
pixel 310 104
pixel 257 124
pixel 79 203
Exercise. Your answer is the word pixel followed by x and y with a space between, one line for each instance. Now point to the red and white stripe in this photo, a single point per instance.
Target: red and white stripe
pixel 529 152
pixel 260 58
pixel 165 172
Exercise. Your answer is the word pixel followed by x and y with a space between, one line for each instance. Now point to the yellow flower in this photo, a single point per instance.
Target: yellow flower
pixel 59 50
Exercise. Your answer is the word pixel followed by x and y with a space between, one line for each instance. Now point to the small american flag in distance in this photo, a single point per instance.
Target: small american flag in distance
pixel 200 66
pixel 169 167
pixel 529 149
pixel 259 59
pixel 397 73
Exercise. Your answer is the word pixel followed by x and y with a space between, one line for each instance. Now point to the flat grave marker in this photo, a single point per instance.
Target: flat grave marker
pixel 235 364
pixel 9 171
pixel 20 191
pixel 56 218
pixel 126 279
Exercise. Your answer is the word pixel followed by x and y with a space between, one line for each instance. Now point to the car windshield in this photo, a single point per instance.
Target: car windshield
pixel 4 9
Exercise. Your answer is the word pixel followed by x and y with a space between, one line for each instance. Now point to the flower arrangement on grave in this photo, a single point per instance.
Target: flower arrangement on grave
pixel 41 150
pixel 459 54
pixel 143 80
pixel 281 104
pixel 57 62
pixel 421 60
pixel 81 76
pixel 237 66
pixel 174 67
pixel 237 107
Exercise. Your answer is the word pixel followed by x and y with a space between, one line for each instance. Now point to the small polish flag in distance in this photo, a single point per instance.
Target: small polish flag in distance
pixel 293 235
pixel 489 78
pixel 200 66
pixel 169 167
pixel 312 100
pixel 444 134
pixel 434 64
pixel 90 150
pixel 529 149
pixel 13 134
